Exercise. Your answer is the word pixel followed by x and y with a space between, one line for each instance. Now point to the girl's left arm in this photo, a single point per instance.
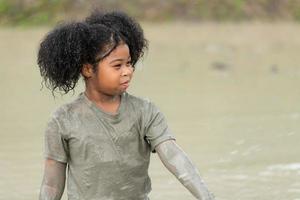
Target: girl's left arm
pixel 177 162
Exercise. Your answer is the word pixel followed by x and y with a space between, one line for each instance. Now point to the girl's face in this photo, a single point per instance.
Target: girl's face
pixel 114 72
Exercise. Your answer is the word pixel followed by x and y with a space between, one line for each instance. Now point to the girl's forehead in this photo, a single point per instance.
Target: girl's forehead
pixel 121 51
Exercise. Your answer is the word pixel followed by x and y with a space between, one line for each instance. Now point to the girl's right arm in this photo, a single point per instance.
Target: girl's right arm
pixel 53 183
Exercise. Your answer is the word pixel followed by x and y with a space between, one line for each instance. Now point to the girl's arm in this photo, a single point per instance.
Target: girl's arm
pixel 53 183
pixel 177 162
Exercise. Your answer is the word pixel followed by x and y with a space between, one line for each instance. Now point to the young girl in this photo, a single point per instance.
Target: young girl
pixel 104 137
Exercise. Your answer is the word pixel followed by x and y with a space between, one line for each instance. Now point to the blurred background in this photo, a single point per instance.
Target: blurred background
pixel 40 12
pixel 225 74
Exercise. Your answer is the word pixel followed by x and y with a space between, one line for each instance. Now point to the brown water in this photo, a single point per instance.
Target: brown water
pixel 230 93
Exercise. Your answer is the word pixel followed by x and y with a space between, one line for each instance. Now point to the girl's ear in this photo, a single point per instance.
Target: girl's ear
pixel 87 70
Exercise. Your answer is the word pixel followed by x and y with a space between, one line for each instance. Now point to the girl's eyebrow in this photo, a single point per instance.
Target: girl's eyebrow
pixel 119 59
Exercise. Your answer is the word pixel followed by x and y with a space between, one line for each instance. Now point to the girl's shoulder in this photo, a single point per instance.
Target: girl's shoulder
pixel 143 103
pixel 137 100
pixel 69 109
pixel 134 98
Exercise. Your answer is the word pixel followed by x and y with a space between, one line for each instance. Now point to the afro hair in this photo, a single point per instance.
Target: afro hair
pixel 69 46
pixel 126 26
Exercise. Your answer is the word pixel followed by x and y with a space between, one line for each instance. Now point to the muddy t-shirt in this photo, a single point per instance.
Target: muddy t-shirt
pixel 107 155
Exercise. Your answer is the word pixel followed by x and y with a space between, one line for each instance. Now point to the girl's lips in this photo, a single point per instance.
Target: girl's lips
pixel 125 84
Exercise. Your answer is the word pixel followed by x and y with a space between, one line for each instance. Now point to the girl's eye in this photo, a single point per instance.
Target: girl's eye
pixel 129 64
pixel 118 66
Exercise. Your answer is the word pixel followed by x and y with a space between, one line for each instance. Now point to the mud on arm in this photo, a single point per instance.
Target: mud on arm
pixel 177 162
pixel 53 183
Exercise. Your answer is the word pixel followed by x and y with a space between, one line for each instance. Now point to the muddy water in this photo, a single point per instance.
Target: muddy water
pixel 230 93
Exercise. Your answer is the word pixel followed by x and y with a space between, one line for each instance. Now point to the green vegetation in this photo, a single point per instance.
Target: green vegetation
pixel 37 12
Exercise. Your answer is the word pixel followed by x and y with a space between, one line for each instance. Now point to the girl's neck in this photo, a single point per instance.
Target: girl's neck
pixel 107 103
pixel 101 98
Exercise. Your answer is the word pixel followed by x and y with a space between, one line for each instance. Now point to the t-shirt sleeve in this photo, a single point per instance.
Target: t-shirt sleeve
pixel 156 128
pixel 55 146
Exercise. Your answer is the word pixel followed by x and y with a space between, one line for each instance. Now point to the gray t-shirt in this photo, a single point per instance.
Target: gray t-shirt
pixel 108 155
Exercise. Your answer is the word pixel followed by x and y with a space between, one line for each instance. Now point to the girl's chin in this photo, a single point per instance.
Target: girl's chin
pixel 124 87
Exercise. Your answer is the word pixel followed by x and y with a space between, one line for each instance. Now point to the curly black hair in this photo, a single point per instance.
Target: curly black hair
pixel 126 26
pixel 69 46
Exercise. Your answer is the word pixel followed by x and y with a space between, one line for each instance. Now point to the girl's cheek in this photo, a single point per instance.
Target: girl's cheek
pixel 132 72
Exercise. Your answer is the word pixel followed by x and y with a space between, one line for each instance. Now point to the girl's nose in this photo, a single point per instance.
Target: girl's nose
pixel 127 71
